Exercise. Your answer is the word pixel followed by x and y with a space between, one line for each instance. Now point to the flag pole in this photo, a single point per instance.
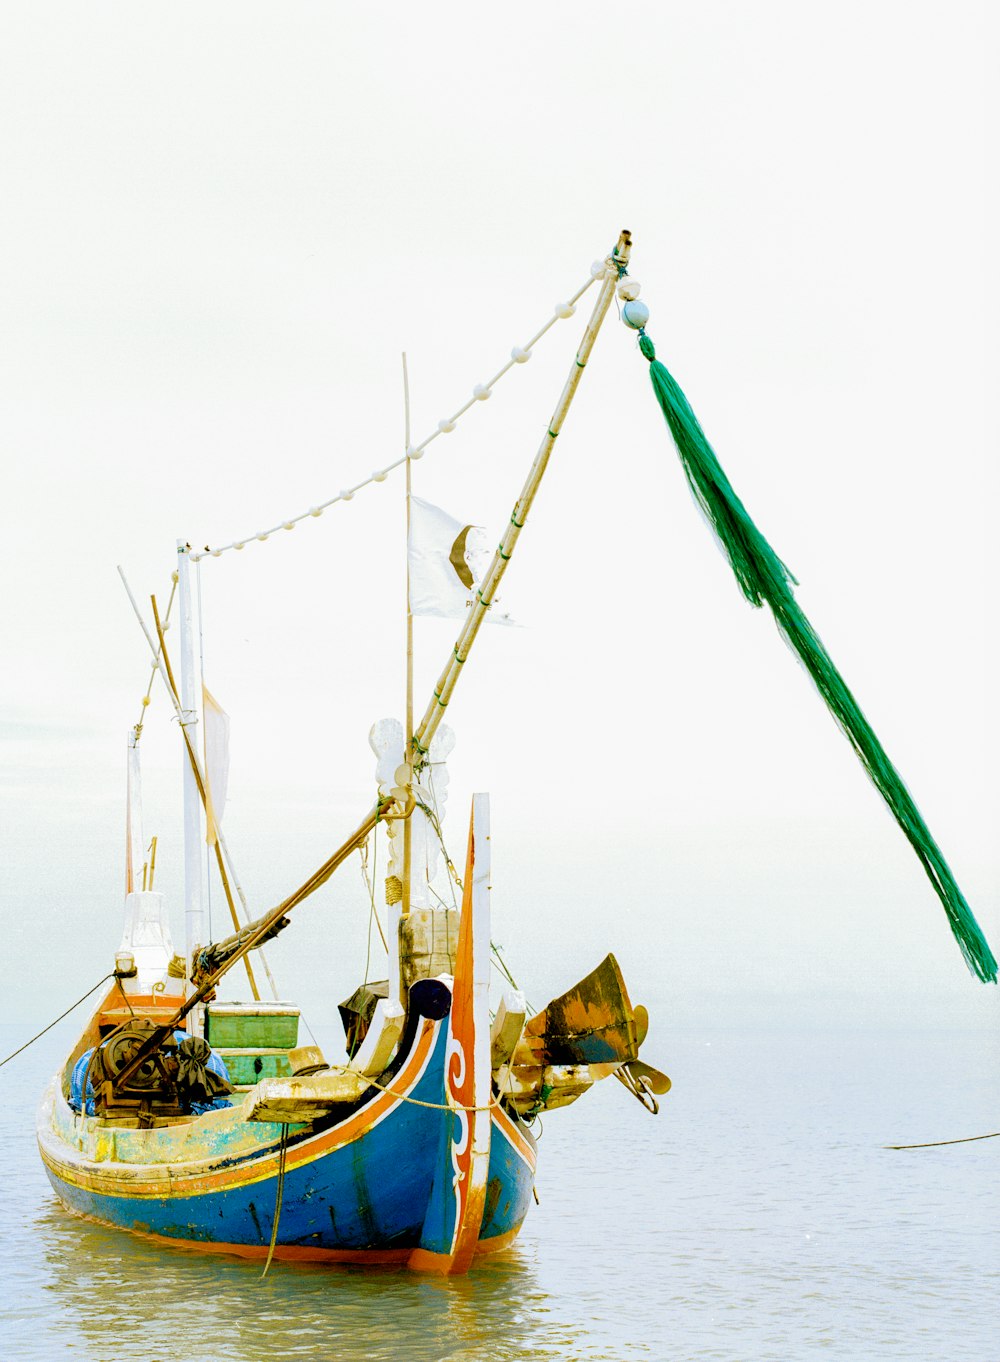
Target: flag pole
pixel 407 825
pixel 420 740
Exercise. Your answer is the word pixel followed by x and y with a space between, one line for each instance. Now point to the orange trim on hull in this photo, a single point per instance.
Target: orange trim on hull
pixel 498 1243
pixel 264 1166
pixel 424 1260
pixel 516 1137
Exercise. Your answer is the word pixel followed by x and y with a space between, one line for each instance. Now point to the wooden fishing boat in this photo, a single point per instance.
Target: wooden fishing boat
pixel 182 1116
pixel 204 1122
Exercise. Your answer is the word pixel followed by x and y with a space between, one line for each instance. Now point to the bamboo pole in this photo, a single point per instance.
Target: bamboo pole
pixel 202 790
pixel 194 917
pixel 421 740
pixel 408 825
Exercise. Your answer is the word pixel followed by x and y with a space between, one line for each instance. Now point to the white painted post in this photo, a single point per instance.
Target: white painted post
pixel 194 843
pixel 479 904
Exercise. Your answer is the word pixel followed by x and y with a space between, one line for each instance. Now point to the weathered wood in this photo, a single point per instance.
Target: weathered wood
pixel 306 1097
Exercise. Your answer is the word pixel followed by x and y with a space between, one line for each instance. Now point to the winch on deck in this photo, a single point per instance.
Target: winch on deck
pixel 182 1076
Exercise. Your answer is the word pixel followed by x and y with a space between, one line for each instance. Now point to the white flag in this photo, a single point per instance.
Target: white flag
pixel 447 562
pixel 216 724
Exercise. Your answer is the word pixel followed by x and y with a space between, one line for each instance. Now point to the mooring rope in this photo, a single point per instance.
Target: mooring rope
pixel 935 1144
pixel 57 1020
pixel 433 1106
pixel 279 1193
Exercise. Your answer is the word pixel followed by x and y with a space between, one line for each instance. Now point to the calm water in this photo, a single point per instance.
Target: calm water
pixel 756 1217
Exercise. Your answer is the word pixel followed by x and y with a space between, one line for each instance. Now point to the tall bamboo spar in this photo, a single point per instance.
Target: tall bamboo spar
pixel 434 713
pixel 161 664
pixel 194 927
pixel 407 825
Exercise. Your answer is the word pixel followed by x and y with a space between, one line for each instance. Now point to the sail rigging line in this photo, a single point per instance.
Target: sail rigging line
pixel 278 1194
pixel 371 914
pixel 200 782
pixel 762 576
pixel 45 1029
pixel 147 698
pixel 448 679
pixel 408 825
pixel 520 354
pixel 370 886
pixel 499 964
pixel 435 822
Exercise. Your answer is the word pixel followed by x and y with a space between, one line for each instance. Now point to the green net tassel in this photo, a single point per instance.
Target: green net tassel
pixel 762 576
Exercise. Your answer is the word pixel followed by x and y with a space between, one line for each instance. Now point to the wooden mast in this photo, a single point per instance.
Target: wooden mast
pixel 194 926
pixel 421 739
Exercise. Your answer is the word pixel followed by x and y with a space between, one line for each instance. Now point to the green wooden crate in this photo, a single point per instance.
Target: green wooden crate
pixel 247 1067
pixel 252 1026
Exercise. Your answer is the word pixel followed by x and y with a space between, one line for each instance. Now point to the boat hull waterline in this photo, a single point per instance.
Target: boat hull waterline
pixel 356 1191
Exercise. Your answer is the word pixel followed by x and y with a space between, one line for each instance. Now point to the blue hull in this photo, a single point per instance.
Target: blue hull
pixel 353 1190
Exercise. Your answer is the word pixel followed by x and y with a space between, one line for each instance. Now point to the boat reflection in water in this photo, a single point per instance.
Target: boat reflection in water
pixel 122 1295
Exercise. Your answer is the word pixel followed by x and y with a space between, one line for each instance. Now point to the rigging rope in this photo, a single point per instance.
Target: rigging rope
pixel 278 1195
pixel 370 886
pixel 499 964
pixel 520 354
pixel 154 668
pixel 58 1019
pixel 434 1106
pixel 936 1144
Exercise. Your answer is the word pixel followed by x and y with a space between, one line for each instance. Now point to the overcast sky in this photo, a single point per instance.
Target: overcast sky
pixel 223 223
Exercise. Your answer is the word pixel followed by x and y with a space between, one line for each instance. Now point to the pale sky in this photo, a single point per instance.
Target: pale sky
pixel 222 225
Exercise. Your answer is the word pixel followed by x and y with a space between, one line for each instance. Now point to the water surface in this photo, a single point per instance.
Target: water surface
pixel 758 1217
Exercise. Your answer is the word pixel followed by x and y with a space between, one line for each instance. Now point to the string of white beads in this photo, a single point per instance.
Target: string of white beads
pixel 482 391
